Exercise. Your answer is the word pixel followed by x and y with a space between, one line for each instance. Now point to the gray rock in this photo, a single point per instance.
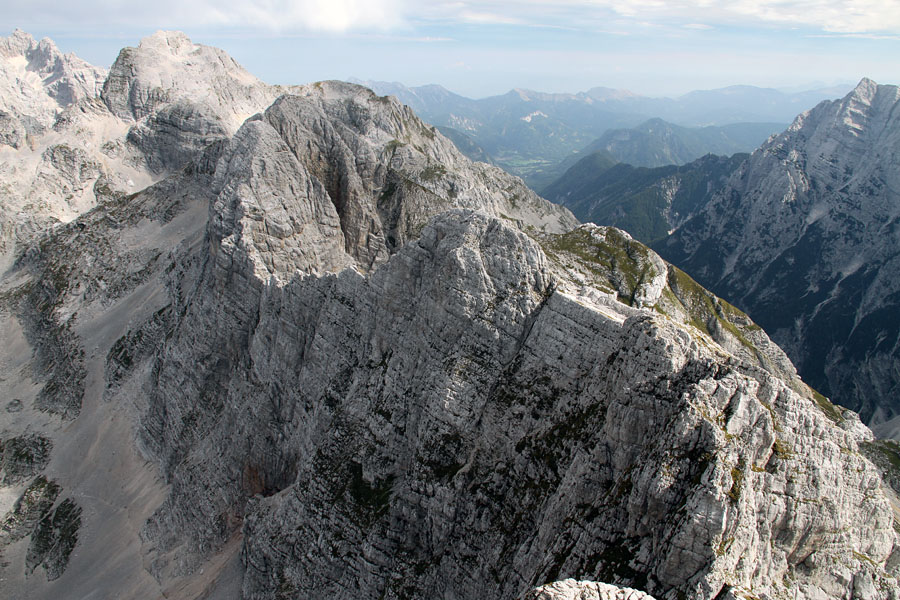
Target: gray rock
pixel 803 238
pixel 53 540
pixel 23 457
pixel 12 132
pixel 384 371
pixel 570 589
pixel 37 80
pixel 35 503
pixel 167 66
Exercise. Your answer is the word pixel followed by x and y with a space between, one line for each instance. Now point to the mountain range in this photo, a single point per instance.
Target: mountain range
pixel 269 342
pixel 795 234
pixel 649 203
pixel 801 237
pixel 530 133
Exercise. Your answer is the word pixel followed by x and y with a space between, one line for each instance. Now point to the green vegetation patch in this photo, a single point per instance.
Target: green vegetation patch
pixel 886 456
pixel 831 410
pixel 619 263
pixel 433 172
pixel 705 308
pixel 737 480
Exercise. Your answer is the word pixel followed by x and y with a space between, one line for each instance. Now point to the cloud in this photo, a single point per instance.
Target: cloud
pixel 841 16
pixel 859 36
pixel 829 16
pixel 316 15
pixel 701 26
pixel 267 15
pixel 488 18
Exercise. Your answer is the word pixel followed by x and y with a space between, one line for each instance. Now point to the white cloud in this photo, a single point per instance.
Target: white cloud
pixel 701 26
pixel 269 15
pixel 316 15
pixel 844 16
pixel 835 16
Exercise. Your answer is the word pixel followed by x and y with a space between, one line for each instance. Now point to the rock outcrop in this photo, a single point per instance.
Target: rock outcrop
pixel 167 66
pixel 331 357
pixel 71 137
pixel 804 238
pixel 570 589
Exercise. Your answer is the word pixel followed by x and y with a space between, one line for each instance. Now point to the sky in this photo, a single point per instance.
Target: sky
pixel 478 49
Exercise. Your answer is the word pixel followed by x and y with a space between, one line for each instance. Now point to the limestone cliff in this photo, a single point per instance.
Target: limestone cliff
pixel 329 357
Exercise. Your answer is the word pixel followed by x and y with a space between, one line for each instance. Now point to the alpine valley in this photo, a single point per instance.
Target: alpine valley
pixel 288 342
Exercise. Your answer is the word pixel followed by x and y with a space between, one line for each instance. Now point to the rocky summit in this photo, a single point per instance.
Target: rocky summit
pixel 324 355
pixel 804 237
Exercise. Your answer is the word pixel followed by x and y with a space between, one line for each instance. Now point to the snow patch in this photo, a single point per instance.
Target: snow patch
pixel 816 212
pixel 537 113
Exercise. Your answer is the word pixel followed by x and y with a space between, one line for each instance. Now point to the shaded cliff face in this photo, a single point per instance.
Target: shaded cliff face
pixel 478 412
pixel 330 357
pixel 803 237
pixel 648 203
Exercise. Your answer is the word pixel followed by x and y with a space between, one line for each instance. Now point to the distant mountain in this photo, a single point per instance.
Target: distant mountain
pixel 530 133
pixel 646 202
pixel 805 237
pixel 37 82
pixel 466 144
pixel 656 143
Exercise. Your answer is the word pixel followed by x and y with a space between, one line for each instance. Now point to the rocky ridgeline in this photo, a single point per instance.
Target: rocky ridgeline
pixel 380 370
pixel 804 238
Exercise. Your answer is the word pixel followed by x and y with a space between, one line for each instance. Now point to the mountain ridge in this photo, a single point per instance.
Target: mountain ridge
pixel 325 355
pixel 821 189
pixel 529 133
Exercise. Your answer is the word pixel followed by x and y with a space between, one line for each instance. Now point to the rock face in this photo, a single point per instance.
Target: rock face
pixel 355 364
pixel 804 237
pixel 584 590
pixel 167 66
pixel 70 136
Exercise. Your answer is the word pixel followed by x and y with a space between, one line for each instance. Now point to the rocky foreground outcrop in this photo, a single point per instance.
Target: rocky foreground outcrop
pixel 332 358
pixel 570 589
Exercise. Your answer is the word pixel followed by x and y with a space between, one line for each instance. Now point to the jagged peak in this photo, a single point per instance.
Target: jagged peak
pixel 864 91
pixel 168 65
pixel 21 35
pixel 19 43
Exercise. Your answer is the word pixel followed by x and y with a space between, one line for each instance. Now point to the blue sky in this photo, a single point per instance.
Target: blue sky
pixel 653 47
